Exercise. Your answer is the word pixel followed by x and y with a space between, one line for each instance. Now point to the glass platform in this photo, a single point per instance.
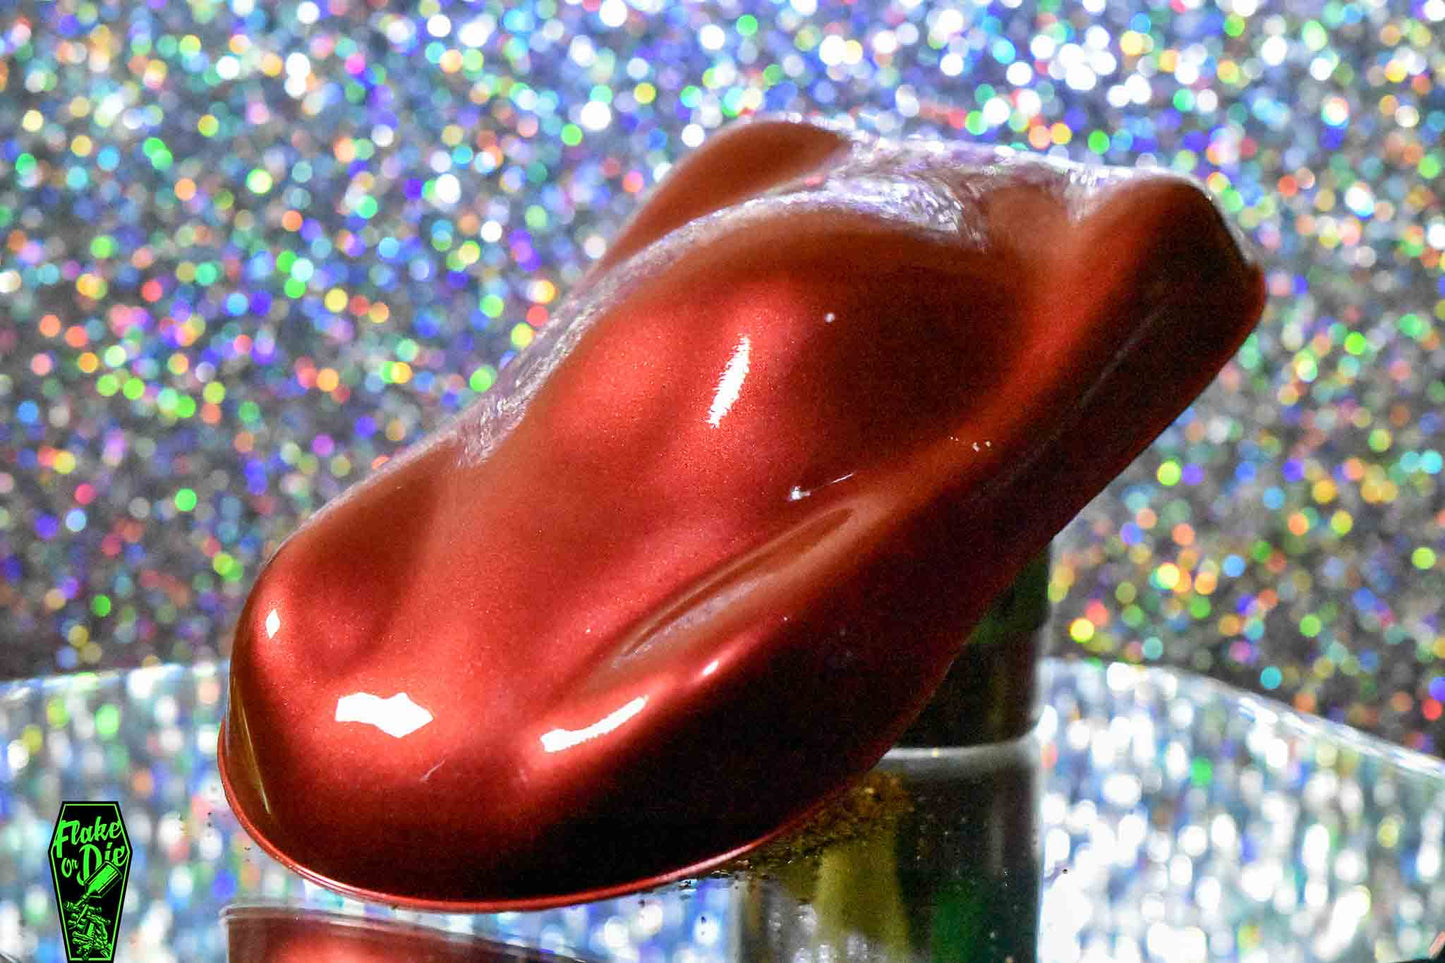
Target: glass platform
pixel 1149 816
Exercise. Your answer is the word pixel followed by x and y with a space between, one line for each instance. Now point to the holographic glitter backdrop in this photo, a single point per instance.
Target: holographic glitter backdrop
pixel 248 250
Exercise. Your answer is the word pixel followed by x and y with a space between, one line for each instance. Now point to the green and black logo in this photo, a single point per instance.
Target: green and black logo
pixel 90 864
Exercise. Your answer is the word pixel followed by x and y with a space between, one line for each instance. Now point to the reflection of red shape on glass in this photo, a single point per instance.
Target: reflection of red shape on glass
pixel 280 934
pixel 700 557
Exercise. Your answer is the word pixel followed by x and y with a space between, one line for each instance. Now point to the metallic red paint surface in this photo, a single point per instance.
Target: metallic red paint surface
pixel 704 554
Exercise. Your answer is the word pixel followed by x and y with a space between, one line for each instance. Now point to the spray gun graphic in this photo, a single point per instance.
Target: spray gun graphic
pixel 88 928
pixel 100 881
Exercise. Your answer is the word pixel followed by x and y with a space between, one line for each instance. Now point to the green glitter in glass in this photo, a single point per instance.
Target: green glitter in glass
pixel 107 721
pixel 1201 772
pixel 185 499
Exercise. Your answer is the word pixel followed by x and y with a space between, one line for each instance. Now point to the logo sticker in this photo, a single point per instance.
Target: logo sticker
pixel 90 865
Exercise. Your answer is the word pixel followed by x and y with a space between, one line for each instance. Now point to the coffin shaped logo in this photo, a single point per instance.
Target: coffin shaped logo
pixel 90 859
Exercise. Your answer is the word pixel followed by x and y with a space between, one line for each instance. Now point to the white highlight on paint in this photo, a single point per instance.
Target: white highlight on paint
pixel 273 624
pixel 731 382
pixel 560 739
pixel 797 493
pixel 397 716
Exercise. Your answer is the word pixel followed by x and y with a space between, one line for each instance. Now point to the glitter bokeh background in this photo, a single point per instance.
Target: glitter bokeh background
pixel 248 250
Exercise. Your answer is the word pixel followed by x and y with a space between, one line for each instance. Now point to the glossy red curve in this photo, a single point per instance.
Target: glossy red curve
pixel 701 557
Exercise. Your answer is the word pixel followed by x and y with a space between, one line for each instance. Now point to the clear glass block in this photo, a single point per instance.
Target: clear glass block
pixel 1148 815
